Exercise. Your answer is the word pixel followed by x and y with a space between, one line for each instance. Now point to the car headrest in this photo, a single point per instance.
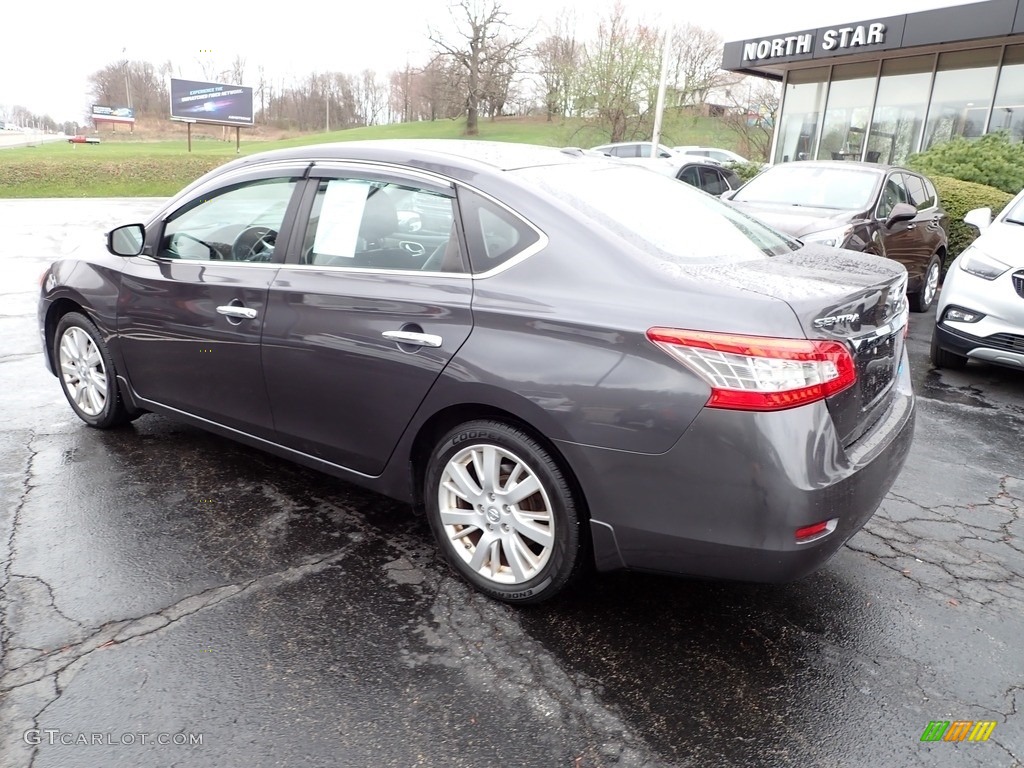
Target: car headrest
pixel 380 218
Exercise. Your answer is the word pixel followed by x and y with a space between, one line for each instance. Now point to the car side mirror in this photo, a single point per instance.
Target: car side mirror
pixel 126 240
pixel 979 217
pixel 900 212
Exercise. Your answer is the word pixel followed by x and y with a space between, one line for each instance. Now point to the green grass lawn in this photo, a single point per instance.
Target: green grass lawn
pixel 127 168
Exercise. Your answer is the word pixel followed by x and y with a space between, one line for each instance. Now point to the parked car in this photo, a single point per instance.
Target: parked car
pixel 84 140
pixel 591 364
pixel 705 175
pixel 878 209
pixel 628 149
pixel 981 308
pixel 708 176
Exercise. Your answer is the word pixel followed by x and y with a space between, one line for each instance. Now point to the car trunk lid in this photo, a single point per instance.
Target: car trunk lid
pixel 857 299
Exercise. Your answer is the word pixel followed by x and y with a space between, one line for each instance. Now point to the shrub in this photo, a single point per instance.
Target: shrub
pixel 958 197
pixel 746 171
pixel 992 160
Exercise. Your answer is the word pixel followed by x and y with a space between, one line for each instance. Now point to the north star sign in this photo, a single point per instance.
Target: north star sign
pixel 831 40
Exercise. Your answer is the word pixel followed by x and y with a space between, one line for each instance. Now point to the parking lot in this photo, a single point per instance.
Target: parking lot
pixel 173 598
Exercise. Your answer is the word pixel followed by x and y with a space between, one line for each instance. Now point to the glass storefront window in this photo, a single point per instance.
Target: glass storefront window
pixel 1008 112
pixel 964 84
pixel 848 111
pixel 803 102
pixel 900 107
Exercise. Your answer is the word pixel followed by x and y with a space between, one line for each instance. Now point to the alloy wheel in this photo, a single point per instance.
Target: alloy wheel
pixel 83 371
pixel 496 514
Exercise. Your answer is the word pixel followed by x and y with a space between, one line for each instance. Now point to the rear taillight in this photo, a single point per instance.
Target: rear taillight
pixel 757 373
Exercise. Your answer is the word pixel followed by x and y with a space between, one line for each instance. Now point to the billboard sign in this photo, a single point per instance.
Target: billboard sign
pixel 113 114
pixel 211 103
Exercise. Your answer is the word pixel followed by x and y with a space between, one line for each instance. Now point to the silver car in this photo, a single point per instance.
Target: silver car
pixel 981 307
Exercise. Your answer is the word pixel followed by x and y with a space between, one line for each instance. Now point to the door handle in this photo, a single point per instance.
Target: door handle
pixel 415 339
pixel 244 313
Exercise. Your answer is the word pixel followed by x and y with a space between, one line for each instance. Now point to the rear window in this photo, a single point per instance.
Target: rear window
pixel 812 186
pixel 659 214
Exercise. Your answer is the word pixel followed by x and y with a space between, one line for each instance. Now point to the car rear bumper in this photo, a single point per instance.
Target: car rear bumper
pixel 726 501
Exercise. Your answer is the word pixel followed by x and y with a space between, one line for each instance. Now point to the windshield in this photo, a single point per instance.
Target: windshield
pixel 1014 213
pixel 812 186
pixel 658 214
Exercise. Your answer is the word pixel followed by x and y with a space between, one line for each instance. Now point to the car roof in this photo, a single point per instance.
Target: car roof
pixel 498 155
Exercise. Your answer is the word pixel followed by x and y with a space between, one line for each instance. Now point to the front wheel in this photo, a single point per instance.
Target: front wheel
pixel 86 373
pixel 503 512
pixel 943 358
pixel 922 300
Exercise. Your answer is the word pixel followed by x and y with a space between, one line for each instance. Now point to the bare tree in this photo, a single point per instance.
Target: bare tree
pixel 237 71
pixel 371 97
pixel 558 57
pixel 484 41
pixel 696 57
pixel 751 114
pixel 621 69
pixel 135 83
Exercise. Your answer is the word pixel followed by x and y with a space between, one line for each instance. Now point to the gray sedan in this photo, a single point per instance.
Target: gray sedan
pixel 563 360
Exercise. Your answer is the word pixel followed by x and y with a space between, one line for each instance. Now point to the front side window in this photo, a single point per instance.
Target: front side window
pixel 239 223
pixel 917 192
pixel 367 224
pixel 892 193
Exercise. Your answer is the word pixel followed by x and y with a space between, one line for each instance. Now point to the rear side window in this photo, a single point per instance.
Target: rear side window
pixel 494 235
pixel 918 191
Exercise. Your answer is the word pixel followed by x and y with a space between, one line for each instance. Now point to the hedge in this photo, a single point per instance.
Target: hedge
pixel 958 197
pixel 991 159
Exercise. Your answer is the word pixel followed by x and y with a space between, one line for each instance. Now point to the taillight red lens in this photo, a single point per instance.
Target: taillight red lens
pixel 759 373
pixel 811 530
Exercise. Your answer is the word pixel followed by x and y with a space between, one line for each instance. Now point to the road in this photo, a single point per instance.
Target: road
pixel 164 584
pixel 10 139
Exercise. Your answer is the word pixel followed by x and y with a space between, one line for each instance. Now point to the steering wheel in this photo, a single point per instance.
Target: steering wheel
pixel 254 244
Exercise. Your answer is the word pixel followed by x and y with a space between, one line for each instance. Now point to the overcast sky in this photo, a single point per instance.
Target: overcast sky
pixel 48 52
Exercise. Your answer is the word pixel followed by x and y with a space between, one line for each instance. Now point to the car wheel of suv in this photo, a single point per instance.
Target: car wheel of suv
pixel 943 358
pixel 503 512
pixel 87 374
pixel 923 299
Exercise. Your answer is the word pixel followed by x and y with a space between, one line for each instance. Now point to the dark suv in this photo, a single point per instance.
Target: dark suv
pixel 867 207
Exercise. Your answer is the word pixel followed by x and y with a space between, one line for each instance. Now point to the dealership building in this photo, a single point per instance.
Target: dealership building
pixel 881 89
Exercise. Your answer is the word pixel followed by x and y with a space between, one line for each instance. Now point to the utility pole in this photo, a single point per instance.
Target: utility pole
pixel 659 107
pixel 327 102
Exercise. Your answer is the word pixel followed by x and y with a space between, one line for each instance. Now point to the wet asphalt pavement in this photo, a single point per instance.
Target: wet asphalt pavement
pixel 164 585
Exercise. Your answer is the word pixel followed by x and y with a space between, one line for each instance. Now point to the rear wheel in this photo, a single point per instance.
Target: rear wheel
pixel 922 300
pixel 503 512
pixel 86 373
pixel 943 358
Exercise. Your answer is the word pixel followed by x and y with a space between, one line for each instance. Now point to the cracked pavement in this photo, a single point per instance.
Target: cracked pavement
pixel 159 580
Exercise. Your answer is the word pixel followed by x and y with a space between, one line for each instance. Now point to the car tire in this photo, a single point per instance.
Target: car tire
pixel 943 358
pixel 923 300
pixel 87 374
pixel 516 548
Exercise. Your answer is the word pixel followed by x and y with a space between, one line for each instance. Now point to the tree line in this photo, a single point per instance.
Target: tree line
pixel 487 66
